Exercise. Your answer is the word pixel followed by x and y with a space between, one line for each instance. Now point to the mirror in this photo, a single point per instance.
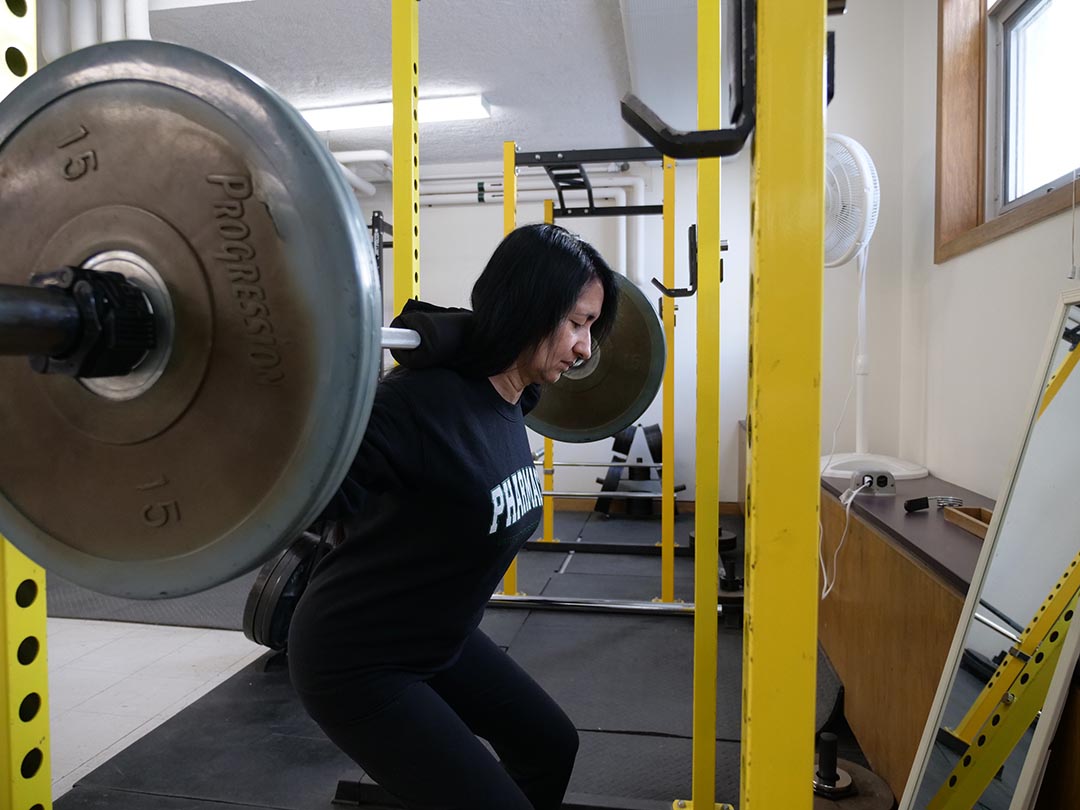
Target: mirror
pixel 982 746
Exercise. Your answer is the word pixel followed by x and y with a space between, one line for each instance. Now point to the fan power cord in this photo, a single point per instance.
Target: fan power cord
pixel 845 499
pixel 828 461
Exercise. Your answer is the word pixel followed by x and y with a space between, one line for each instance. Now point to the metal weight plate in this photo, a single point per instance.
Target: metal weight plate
pixel 212 194
pixel 615 386
pixel 275 592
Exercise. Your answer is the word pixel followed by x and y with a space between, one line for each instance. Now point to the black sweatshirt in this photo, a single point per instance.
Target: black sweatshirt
pixel 441 496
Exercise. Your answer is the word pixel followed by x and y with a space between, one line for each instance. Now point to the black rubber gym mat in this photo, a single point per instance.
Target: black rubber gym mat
pixel 107 799
pixel 629 673
pixel 616 586
pixel 646 531
pixel 618 771
pixel 639 531
pixel 638 565
pixel 534 569
pixel 249 745
pixel 220 608
pixel 647 767
pixel 503 624
pixel 567 526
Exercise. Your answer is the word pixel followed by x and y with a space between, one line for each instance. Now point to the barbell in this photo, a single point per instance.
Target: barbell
pixel 192 280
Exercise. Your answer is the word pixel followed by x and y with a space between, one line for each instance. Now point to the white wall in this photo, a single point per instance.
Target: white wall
pixel 974 326
pixel 869 83
pixel 456 241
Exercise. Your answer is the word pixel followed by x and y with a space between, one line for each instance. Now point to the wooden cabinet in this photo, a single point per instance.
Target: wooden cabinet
pixel 887 627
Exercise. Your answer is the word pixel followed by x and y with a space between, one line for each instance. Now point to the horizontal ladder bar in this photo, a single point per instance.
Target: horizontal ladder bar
pixel 600 463
pixel 612 494
pixel 595 605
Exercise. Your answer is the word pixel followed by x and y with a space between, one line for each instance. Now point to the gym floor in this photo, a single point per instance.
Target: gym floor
pixel 177 717
pixel 112 682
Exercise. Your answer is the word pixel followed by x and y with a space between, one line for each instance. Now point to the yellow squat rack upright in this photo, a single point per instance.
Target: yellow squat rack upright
pixel 25 772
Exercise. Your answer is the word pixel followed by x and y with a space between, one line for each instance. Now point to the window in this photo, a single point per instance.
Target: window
pixel 1008 121
pixel 1033 47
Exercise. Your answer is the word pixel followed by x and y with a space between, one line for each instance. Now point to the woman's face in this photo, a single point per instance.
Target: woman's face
pixel 571 341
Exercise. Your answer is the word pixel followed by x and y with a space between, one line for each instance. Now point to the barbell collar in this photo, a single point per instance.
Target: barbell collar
pixel 78 322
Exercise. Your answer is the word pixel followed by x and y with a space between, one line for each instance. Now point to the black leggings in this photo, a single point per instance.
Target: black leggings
pixel 422 747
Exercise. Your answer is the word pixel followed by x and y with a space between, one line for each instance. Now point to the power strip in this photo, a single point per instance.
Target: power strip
pixel 874 482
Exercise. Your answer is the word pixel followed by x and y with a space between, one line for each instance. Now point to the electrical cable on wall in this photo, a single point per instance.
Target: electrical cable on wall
pixel 845 499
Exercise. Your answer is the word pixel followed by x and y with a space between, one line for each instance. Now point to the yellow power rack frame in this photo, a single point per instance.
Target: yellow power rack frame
pixel 405 89
pixel 787 222
pixel 25 764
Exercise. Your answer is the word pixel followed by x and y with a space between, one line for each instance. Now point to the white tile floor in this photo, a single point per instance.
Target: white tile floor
pixel 112 682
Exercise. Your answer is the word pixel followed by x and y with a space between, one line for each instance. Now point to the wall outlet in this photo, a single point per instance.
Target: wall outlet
pixel 877 482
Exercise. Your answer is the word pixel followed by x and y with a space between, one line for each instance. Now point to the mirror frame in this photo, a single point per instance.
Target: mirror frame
pixel 1035 762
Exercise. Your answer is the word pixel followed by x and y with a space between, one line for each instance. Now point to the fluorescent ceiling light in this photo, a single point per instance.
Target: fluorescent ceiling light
pixel 359 116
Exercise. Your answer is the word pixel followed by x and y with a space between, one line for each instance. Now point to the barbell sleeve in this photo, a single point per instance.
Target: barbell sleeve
pixel 393 338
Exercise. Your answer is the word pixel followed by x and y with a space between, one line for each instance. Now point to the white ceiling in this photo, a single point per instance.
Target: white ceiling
pixel 553 71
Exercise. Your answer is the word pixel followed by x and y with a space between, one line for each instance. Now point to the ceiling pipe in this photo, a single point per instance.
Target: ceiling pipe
pixel 84 23
pixel 366 156
pixel 53 26
pixel 635 248
pixel 112 20
pixel 137 19
pixel 358 183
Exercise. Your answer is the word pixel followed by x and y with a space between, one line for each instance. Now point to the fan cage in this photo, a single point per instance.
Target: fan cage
pixel 852 196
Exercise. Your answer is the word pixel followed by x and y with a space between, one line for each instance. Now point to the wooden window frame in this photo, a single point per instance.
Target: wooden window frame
pixel 960 222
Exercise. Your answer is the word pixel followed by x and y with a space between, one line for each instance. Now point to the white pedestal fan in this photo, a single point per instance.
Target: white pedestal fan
pixel 852 198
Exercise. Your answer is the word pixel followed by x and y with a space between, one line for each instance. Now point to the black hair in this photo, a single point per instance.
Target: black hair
pixel 530 284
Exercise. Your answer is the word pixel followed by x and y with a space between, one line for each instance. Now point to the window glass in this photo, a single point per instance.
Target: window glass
pixel 1041 55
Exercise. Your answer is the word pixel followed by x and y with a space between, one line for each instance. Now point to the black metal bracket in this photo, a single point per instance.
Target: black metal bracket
pixel 569 177
pixel 380 229
pixel 711 142
pixel 380 225
pixel 609 211
pixel 830 66
pixel 686 292
pixel 580 156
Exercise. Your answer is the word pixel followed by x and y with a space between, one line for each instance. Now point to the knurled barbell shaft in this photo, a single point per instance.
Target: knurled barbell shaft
pixel 37 321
